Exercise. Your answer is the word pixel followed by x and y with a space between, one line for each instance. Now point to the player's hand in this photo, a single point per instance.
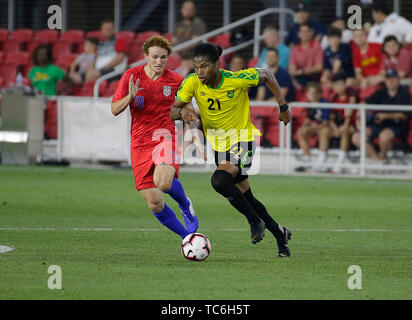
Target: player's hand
pixel 285 116
pixel 188 116
pixel 133 87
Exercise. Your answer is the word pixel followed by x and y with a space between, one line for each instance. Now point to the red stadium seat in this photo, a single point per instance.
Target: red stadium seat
pixel 143 36
pixel 60 48
pixel 22 35
pixel 18 58
pixel 222 40
pixel 4 35
pixel 8 72
pixel 65 60
pixel 31 46
pixel 168 36
pixel 253 62
pixel 110 89
pixel 11 45
pixel 135 52
pixel 73 36
pixel 27 68
pixel 173 61
pixel 1 82
pixel 47 36
pixel 1 57
pixel 128 36
pixel 87 89
pixel 95 34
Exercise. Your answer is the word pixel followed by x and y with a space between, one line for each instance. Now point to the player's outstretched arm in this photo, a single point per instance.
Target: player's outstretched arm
pixel 267 77
pixel 120 105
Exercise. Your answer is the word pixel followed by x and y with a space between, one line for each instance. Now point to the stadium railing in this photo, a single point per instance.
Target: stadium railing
pixel 114 137
pixel 255 41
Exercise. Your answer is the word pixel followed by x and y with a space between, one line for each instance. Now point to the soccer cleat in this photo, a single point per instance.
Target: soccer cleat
pixel 282 243
pixel 191 224
pixel 257 231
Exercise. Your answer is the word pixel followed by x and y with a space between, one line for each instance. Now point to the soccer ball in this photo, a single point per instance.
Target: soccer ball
pixel 196 246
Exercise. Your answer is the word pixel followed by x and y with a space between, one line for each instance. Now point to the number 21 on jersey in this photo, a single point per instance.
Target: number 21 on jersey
pixel 213 104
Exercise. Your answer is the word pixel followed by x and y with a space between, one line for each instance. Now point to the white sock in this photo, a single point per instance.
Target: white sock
pixel 342 156
pixel 322 157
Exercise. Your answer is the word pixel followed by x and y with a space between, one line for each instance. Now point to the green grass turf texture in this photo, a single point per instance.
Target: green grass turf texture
pixel 139 259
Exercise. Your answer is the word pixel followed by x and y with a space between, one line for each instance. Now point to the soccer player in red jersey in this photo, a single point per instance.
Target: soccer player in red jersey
pixel 150 91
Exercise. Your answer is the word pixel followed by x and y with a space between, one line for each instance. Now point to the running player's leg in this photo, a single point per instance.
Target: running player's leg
pixel 282 234
pixel 222 182
pixel 164 178
pixel 163 212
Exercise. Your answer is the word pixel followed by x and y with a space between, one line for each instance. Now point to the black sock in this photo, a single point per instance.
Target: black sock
pixel 275 228
pixel 222 182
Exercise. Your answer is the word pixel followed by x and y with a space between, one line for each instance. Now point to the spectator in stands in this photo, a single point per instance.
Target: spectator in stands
pixel 281 75
pixel 342 121
pixel 336 58
pixel 397 57
pixel 302 16
pixel 306 58
pixel 111 53
pixel 237 63
pixel 387 23
pixel 338 23
pixel 263 94
pixel 386 125
pixel 271 40
pixel 186 65
pixel 367 60
pixel 84 62
pixel 190 26
pixel 44 75
pixel 316 122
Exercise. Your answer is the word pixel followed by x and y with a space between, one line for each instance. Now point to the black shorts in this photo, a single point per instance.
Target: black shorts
pixel 241 155
pixel 400 131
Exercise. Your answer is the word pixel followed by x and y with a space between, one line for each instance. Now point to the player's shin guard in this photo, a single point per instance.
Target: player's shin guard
pixel 275 228
pixel 222 182
pixel 168 218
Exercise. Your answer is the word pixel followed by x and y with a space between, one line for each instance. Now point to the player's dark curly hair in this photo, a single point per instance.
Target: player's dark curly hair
pixel 213 52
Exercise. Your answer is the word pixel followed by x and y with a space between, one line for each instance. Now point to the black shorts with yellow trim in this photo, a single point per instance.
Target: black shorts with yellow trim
pixel 241 155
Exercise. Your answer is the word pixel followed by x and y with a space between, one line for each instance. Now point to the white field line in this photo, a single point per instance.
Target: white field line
pixel 202 229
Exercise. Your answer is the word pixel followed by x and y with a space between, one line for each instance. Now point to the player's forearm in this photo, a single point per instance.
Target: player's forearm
pixel 120 105
pixel 269 79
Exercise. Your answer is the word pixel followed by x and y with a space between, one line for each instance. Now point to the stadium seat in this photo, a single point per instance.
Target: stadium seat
pixel 135 52
pixel 46 36
pixel 87 89
pixel 1 82
pixel 168 36
pixel 79 48
pixel 11 45
pixel 31 46
pixel 22 35
pixel 95 34
pixel 1 56
pixel 222 40
pixel 60 48
pixel 65 60
pixel 27 68
pixel 17 58
pixel 4 36
pixel 73 36
pixel 129 36
pixel 8 72
pixel 143 36
pixel 173 61
pixel 110 89
pixel 253 62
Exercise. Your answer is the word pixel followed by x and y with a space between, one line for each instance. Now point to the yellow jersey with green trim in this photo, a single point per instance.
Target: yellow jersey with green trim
pixel 225 110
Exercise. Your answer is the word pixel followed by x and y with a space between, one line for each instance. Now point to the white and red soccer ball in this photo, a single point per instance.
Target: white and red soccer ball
pixel 196 246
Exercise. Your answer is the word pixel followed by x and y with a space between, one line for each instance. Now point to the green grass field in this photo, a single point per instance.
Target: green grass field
pixel 96 227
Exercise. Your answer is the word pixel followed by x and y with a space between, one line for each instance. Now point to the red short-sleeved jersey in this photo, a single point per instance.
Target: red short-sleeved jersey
pixel 369 62
pixel 150 108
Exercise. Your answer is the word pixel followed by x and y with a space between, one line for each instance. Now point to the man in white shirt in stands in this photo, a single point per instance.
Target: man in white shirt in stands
pixel 387 23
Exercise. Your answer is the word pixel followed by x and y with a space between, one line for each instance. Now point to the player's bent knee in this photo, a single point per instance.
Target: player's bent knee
pixel 219 180
pixel 155 205
pixel 163 185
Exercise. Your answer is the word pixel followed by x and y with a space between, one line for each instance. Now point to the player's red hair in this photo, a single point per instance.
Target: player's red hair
pixel 157 41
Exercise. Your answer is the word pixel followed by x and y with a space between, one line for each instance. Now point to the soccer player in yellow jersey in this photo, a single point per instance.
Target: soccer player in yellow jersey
pixel 225 114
